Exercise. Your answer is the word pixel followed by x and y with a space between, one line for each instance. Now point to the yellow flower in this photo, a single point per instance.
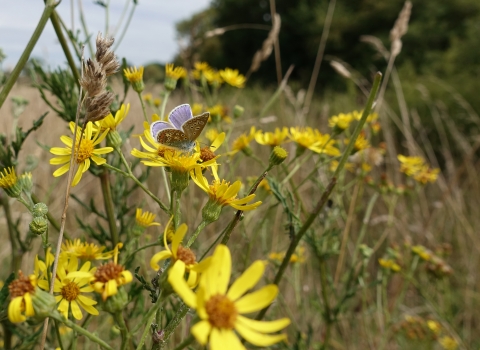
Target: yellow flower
pixel 21 291
pixel 180 255
pixel 175 73
pixel 85 250
pixel 211 134
pixel 422 252
pixel 242 142
pixel 145 219
pixel 213 77
pixel 273 139
pixel 147 97
pixel 314 140
pixel 157 102
pixel 426 174
pixel 201 66
pixel 9 182
pixel 389 264
pixel 448 343
pixel 83 155
pixel 334 165
pixel 222 193
pixel 133 75
pixel 434 326
pixel 233 77
pixel 410 165
pixel 110 122
pixel 110 276
pixel 341 121
pixel 361 142
pixel 70 283
pixel 220 309
pixel 197 109
pixel 372 117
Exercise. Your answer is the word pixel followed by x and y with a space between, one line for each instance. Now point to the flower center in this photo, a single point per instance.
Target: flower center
pixel 206 154
pixel 20 286
pixel 107 272
pixel 70 291
pixel 85 151
pixel 186 255
pixel 221 312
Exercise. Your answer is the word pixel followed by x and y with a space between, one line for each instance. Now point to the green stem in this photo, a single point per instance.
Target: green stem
pixel 47 11
pixel 165 182
pixel 142 248
pixel 16 251
pixel 143 107
pixel 59 337
pixel 173 324
pixel 164 104
pixel 85 29
pixel 56 316
pixel 107 198
pixel 123 329
pixel 58 30
pixel 127 24
pixel 327 313
pixel 196 233
pixel 149 319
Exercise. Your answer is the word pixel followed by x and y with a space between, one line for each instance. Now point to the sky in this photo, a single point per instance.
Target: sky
pixel 150 37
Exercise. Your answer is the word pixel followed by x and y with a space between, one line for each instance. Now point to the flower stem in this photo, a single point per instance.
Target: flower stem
pixel 164 104
pixel 16 251
pixel 149 319
pixel 47 11
pixel 173 324
pixel 107 199
pixel 123 329
pixel 143 108
pixel 196 233
pixel 56 316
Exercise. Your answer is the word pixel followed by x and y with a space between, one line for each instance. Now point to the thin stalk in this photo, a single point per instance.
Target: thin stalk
pixel 196 233
pixel 55 315
pixel 59 337
pixel 143 108
pixel 16 251
pixel 63 43
pixel 277 93
pixel 142 248
pixel 122 16
pixel 107 199
pixel 327 310
pixel 65 207
pixel 173 324
pixel 328 190
pixel 130 16
pixel 164 104
pixel 47 11
pixel 85 29
pixel 123 329
pixel 149 319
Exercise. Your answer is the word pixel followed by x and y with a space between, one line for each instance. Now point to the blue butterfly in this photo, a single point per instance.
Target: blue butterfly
pixel 183 129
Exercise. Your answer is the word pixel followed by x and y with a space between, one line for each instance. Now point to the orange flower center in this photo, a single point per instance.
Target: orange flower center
pixel 70 291
pixel 20 286
pixel 85 151
pixel 107 272
pixel 186 255
pixel 206 154
pixel 221 312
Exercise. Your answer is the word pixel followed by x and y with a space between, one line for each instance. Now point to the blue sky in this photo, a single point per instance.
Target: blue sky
pixel 151 35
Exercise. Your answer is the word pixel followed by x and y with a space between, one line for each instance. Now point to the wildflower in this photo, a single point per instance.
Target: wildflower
pixel 242 142
pixel 9 182
pixel 39 225
pixel 308 138
pixel 172 75
pixel 157 102
pixel 221 194
pixel 85 250
pixel 219 112
pixel 389 264
pixel 220 310
pixel 448 343
pixel 334 165
pixel 372 117
pixel 135 77
pixel 26 182
pixel 110 122
pixel 272 139
pixel 277 156
pixel 422 252
pixel 434 326
pixel 21 291
pixel 147 98
pixel 201 66
pixel 70 283
pixel 340 122
pixel 108 277
pixel 213 77
pixel 208 152
pixel 410 165
pixel 426 174
pixel 83 155
pixel 297 257
pixel 180 255
pixel 197 109
pixel 361 142
pixel 233 77
pixel 145 219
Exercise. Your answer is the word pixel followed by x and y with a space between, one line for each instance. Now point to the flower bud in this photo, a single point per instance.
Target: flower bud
pixel 238 111
pixel 211 211
pixel 39 210
pixel 39 225
pixel 114 139
pixel 170 83
pixel 117 302
pixel 27 183
pixel 179 181
pixel 278 156
pixel 44 304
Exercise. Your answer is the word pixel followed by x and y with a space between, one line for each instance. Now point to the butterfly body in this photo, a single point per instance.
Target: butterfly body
pixel 183 129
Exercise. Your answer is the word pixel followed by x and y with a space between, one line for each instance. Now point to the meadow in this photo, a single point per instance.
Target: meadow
pixel 332 221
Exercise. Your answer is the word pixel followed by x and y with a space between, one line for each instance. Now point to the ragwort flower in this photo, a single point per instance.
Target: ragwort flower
pixel 135 77
pixel 110 122
pixel 21 291
pixel 272 139
pixel 233 77
pixel 83 155
pixel 9 182
pixel 242 143
pixel 220 308
pixel 314 140
pixel 85 250
pixel 145 219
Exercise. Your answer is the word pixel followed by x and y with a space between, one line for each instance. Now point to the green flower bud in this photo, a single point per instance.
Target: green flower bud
pixel 117 302
pixel 238 111
pixel 138 86
pixel 211 211
pixel 247 151
pixel 179 181
pixel 27 183
pixel 39 210
pixel 114 139
pixel 39 225
pixel 44 304
pixel 170 83
pixel 278 156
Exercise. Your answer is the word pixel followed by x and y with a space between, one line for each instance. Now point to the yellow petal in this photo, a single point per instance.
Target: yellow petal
pixel 28 305
pixel 86 165
pixel 217 342
pixel 164 254
pixel 178 237
pixel 201 331
pixel 257 300
pixel 233 190
pixel 232 340
pixel 247 280
pixel 218 275
pixel 192 279
pixel 218 141
pixel 88 308
pixel 76 312
pixel 63 307
pixel 98 160
pixel 111 288
pixel 78 175
pixel 127 276
pixel 60 160
pixel 85 300
pixel 14 310
pixel 263 326
pixel 68 141
pixel 175 278
pixel 62 170
pixel 103 150
pixel 256 338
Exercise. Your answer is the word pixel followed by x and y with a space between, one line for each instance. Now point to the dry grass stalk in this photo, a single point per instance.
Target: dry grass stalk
pixel 94 79
pixel 400 28
pixel 267 46
pixel 376 43
pixel 341 69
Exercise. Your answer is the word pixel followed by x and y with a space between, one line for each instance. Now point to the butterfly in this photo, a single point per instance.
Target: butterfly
pixel 183 129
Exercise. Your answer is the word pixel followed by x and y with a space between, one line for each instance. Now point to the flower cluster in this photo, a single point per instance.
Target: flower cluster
pixel 416 168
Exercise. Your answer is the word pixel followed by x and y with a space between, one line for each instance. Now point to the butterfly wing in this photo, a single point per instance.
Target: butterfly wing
pixel 194 127
pixel 179 115
pixel 158 126
pixel 175 139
